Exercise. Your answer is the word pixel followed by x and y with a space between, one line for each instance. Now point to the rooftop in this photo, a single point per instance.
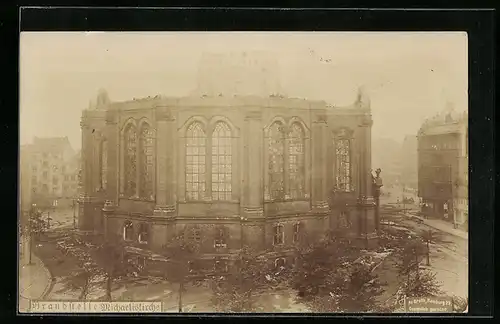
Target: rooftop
pixel 51 144
pixel 446 122
pixel 232 79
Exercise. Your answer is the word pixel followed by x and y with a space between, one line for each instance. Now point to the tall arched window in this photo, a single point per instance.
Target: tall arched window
pixel 146 162
pixel 130 161
pixel 276 161
pixel 343 165
pixel 296 161
pixel 221 162
pixel 195 162
pixel 104 164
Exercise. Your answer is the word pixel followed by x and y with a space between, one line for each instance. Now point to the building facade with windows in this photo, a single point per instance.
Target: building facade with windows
pixel 226 168
pixel 48 173
pixel 228 171
pixel 443 168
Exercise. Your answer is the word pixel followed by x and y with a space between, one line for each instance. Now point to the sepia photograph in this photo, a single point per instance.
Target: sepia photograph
pixel 243 172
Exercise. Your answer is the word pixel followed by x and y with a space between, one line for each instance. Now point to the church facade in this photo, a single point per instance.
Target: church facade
pixel 226 171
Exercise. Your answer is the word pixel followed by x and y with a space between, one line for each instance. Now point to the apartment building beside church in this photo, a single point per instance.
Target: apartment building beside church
pixel 443 168
pixel 226 166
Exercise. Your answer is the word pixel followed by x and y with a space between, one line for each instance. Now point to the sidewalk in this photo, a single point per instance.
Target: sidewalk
pixel 34 280
pixel 443 226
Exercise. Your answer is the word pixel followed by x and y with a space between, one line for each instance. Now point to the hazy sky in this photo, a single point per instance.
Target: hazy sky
pixel 409 76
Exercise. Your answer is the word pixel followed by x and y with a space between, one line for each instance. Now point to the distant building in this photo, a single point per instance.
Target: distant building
pixel 48 174
pixel 24 179
pixel 225 170
pixel 443 167
pixel 409 162
pixel 387 156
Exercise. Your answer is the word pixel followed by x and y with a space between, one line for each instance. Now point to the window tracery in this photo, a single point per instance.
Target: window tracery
pixel 195 162
pixel 296 162
pixel 343 164
pixel 276 161
pixel 146 162
pixel 130 164
pixel 221 162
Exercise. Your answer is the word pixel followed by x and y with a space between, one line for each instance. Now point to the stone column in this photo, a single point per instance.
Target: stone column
pixel 253 204
pixel 367 174
pixel 87 157
pixel 319 164
pixel 107 211
pixel 366 202
pixel 85 212
pixel 113 156
pixel 165 163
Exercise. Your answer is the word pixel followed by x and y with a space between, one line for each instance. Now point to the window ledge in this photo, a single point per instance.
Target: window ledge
pixel 137 199
pixel 215 202
pixel 270 201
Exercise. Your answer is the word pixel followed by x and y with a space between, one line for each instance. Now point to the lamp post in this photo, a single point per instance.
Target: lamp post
pixel 377 184
pixel 74 213
pixel 52 207
pixel 30 232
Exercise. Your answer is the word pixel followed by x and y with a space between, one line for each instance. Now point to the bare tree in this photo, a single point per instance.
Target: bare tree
pixel 100 264
pixel 182 254
pixel 35 227
pixel 88 274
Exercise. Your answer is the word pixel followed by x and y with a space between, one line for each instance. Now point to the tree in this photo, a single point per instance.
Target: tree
pixel 328 280
pixel 238 289
pixel 432 237
pixel 111 260
pixel 424 284
pixel 419 282
pixel 89 274
pixel 36 226
pixel 182 254
pixel 100 263
pixel 361 291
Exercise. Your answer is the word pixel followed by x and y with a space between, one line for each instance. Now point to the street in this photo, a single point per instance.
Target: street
pixel 60 218
pixel 449 260
pixel 34 278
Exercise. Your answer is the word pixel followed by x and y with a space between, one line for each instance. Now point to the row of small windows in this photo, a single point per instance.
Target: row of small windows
pixel 44 188
pixel 220 264
pixel 221 234
pixel 45 165
pixel 286 166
